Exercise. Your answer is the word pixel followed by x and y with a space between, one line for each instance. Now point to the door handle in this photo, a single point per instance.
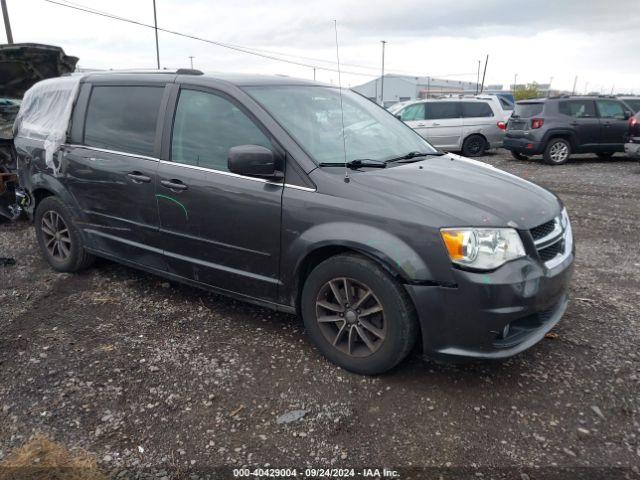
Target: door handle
pixel 574 124
pixel 436 124
pixel 138 177
pixel 607 124
pixel 173 184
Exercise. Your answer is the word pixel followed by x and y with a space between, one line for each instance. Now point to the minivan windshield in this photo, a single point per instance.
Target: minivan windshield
pixel 527 110
pixel 312 116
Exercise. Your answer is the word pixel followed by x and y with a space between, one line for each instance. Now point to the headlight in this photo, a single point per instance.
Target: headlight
pixel 482 248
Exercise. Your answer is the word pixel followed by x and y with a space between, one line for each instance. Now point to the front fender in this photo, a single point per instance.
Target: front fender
pixel 391 252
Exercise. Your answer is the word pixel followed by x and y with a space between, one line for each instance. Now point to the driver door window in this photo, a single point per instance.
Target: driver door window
pixel 413 113
pixel 206 126
pixel 610 109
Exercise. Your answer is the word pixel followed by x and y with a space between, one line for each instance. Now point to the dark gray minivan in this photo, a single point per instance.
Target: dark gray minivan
pixel 301 197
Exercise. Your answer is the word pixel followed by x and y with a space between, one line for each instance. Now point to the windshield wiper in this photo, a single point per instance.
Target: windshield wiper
pixel 412 155
pixel 357 163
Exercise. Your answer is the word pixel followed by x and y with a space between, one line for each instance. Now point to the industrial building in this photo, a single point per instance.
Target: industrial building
pixel 399 88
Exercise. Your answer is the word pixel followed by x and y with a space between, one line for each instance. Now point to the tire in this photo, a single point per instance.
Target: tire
pixel 347 337
pixel 64 252
pixel 474 146
pixel 605 155
pixel 519 156
pixel 557 152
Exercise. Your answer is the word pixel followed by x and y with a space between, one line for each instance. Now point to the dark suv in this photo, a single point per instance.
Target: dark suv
pixel 300 197
pixel 559 126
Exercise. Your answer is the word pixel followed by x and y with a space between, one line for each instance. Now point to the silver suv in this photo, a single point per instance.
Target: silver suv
pixel 467 124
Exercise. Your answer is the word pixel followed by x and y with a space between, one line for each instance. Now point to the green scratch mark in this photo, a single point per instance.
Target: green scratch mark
pixel 171 199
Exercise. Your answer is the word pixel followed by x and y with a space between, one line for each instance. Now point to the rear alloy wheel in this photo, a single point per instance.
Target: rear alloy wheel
pixel 59 240
pixel 557 152
pixel 358 315
pixel 474 146
pixel 519 156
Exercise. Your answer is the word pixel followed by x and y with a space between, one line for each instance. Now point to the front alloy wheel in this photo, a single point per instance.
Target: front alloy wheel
pixel 351 317
pixel 357 314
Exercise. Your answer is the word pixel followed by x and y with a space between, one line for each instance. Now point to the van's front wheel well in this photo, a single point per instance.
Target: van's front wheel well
pixel 316 257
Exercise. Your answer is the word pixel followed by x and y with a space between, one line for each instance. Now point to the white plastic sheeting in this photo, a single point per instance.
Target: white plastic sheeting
pixel 45 113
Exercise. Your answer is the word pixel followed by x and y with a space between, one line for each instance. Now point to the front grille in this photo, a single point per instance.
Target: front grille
pixel 543 230
pixel 551 251
pixel 549 239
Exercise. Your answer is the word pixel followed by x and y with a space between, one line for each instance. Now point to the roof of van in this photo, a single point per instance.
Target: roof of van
pixel 239 79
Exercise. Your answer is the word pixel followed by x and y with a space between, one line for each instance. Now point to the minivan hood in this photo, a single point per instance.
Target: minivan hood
pixel 464 192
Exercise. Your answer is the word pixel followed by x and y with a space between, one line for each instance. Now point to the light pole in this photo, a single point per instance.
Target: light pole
pixel 515 82
pixel 382 77
pixel 7 25
pixel 549 89
pixel 191 57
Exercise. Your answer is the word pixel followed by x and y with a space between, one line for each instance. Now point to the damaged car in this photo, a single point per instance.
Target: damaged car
pixel 21 66
pixel 248 186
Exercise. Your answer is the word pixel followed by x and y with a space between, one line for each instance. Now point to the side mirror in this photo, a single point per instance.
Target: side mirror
pixel 253 161
pixel 628 114
pixel 398 116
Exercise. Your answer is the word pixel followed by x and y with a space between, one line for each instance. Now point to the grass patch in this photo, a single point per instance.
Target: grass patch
pixel 43 459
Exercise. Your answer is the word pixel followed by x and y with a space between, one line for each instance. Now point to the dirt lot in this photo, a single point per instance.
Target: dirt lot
pixel 162 378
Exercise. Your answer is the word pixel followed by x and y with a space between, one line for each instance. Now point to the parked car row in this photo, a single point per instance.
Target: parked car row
pixel 553 127
pixel 467 124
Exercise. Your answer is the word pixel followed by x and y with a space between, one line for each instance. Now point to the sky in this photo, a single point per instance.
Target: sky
pixel 597 41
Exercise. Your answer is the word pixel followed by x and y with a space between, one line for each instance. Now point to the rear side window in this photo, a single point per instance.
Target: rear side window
pixel 611 109
pixel 206 126
pixel 476 109
pixel 527 110
pixel 442 110
pixel 506 104
pixel 413 112
pixel 578 108
pixel 123 118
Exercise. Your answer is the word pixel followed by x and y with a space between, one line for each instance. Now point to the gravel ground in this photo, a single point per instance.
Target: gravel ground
pixel 164 379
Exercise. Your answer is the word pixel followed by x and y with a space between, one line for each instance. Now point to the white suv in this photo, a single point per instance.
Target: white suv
pixel 467 124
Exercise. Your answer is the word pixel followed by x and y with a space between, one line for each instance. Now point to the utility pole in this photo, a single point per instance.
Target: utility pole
pixel 478 77
pixel 575 82
pixel 7 25
pixel 314 74
pixel 191 57
pixel 549 89
pixel 382 77
pixel 515 82
pixel 155 23
pixel 485 73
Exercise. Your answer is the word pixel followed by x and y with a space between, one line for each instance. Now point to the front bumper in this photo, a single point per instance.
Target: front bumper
pixel 632 149
pixel 469 320
pixel 523 145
